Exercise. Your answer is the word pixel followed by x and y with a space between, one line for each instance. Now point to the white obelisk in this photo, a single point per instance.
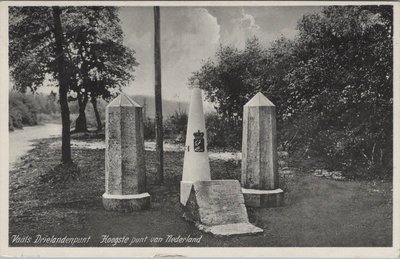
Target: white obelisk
pixel 196 166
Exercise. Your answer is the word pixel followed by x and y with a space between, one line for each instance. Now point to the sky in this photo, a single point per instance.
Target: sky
pixel 191 35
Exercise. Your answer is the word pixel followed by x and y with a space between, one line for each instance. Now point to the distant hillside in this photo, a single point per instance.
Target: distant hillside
pixel 168 107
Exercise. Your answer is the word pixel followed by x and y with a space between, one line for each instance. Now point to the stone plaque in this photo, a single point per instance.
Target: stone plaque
pixel 218 207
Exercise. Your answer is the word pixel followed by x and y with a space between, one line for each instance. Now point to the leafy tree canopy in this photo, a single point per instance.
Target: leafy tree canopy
pixel 97 61
pixel 332 84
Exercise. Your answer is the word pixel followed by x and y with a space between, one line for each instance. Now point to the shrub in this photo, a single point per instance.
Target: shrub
pixel 10 123
pixel 222 132
pixel 30 109
pixel 149 129
pixel 23 110
pixel 176 124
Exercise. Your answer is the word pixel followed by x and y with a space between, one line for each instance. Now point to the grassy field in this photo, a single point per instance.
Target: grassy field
pixel 317 212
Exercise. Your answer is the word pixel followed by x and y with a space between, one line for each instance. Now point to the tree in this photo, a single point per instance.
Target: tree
pixel 63 86
pixel 96 113
pixel 94 60
pixel 332 85
pixel 31 46
pixel 158 97
pixel 344 73
pixel 232 77
pixel 36 49
pixel 97 54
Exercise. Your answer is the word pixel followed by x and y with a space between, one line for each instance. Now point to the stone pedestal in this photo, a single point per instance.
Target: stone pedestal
pixel 263 198
pixel 126 203
pixel 218 207
pixel 260 177
pixel 125 170
pixel 196 166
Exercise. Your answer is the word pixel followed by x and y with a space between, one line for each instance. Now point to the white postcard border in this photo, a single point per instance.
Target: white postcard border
pixel 370 252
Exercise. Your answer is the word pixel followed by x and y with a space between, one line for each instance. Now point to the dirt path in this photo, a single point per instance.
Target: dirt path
pixel 20 141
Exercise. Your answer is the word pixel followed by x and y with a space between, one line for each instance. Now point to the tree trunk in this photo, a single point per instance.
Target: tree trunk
pixel 63 87
pixel 158 99
pixel 97 114
pixel 80 122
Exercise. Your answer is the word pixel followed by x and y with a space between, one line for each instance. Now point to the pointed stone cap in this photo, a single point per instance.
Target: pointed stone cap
pixel 123 100
pixel 259 100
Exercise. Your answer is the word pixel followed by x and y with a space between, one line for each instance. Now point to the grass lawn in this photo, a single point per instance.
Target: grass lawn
pixel 317 212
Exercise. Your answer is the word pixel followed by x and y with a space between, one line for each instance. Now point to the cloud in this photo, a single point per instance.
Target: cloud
pixel 236 25
pixel 137 25
pixel 248 22
pixel 268 23
pixel 244 27
pixel 193 37
pixel 188 36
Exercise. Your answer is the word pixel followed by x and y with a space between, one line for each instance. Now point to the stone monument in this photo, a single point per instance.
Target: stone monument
pixel 218 207
pixel 260 177
pixel 196 166
pixel 214 206
pixel 125 170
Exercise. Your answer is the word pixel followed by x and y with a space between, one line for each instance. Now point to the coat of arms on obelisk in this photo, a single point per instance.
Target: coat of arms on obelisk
pixel 198 142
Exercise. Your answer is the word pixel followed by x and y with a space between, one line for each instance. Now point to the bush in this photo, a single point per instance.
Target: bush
pixel 10 123
pixel 176 125
pixel 43 117
pixel 149 129
pixel 22 110
pixel 29 109
pixel 222 132
pixel 14 119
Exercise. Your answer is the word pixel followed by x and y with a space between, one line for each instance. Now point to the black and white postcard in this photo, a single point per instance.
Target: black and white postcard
pixel 174 128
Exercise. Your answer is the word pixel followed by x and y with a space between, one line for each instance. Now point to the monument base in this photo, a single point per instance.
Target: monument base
pixel 126 203
pixel 263 198
pixel 218 207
